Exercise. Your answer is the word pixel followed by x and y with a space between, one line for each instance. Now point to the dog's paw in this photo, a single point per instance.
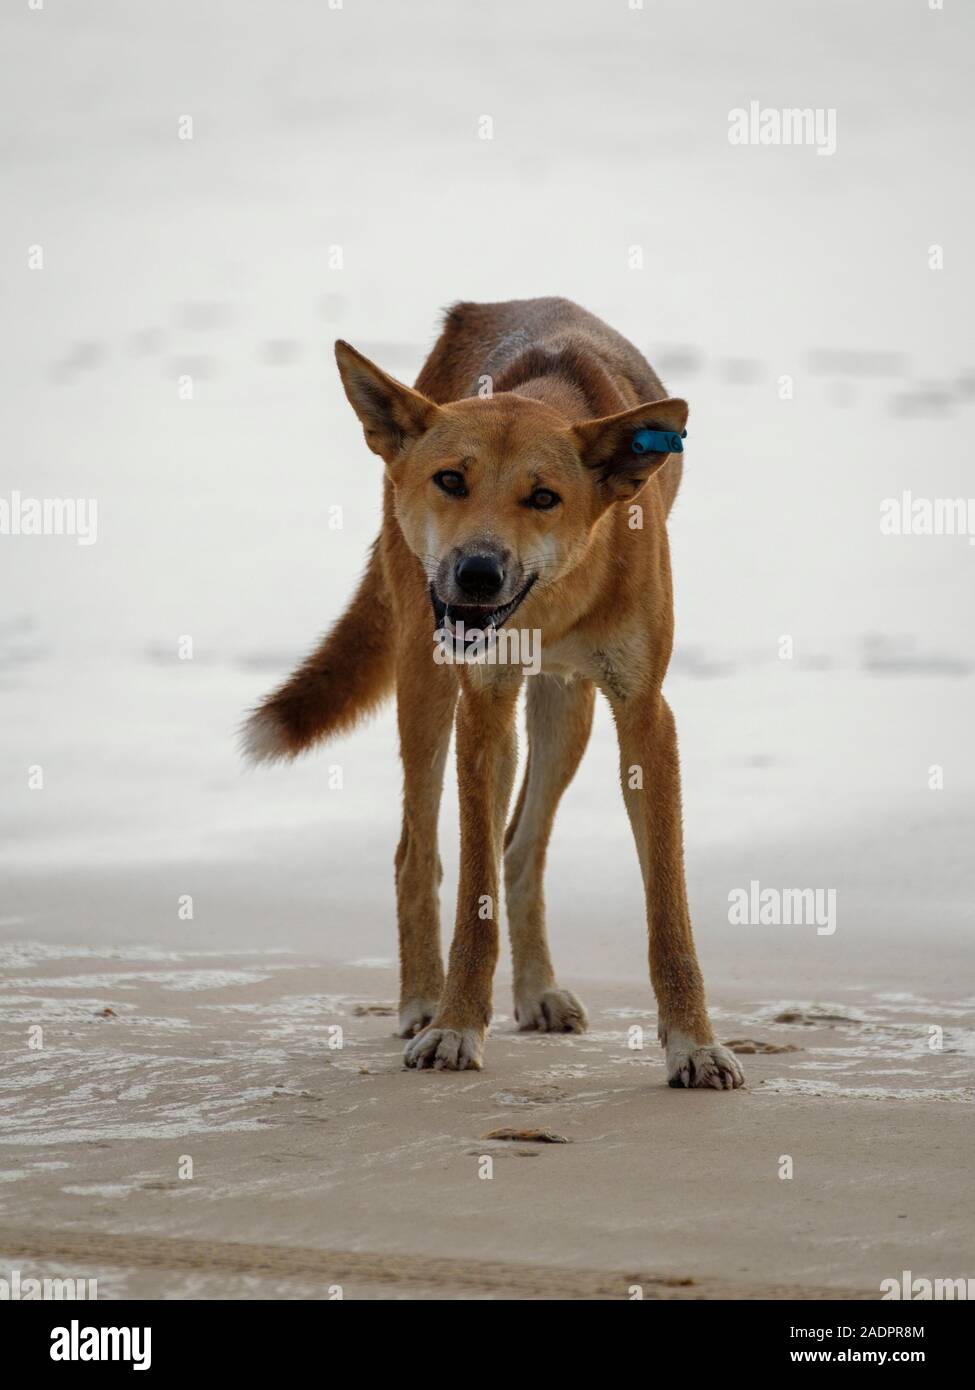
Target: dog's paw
pixel 552 1011
pixel 445 1049
pixel 415 1015
pixel 710 1065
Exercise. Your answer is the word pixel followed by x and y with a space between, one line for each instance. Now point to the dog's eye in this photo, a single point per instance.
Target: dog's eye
pixel 543 499
pixel 451 481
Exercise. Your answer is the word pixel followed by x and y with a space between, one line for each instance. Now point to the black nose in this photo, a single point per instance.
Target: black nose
pixel 479 576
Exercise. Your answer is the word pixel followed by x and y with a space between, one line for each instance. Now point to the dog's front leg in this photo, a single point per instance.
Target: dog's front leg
pixel 650 773
pixel 486 758
pixel 426 695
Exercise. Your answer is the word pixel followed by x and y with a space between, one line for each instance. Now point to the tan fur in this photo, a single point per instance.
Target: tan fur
pixel 592 575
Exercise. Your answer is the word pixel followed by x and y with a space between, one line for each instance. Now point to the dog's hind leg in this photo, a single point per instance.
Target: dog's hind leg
pixel 426 696
pixel 650 774
pixel 559 717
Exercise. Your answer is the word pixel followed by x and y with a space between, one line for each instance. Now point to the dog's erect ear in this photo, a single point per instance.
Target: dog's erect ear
pixel 392 414
pixel 607 445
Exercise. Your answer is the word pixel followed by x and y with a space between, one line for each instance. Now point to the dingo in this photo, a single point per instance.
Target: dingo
pixel 535 503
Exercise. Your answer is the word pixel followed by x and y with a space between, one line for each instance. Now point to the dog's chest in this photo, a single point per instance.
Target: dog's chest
pixel 566 657
pixel 614 665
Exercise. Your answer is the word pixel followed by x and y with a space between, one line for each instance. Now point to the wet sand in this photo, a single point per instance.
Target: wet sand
pixel 215 1038
pixel 318 1166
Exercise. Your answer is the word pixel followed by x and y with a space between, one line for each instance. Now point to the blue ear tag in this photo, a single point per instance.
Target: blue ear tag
pixel 658 442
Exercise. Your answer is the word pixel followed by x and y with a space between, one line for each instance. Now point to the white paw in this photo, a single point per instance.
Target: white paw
pixel 552 1011
pixel 445 1049
pixel 708 1065
pixel 415 1014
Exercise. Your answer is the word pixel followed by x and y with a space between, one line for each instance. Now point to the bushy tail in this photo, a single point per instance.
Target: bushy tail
pixel 346 677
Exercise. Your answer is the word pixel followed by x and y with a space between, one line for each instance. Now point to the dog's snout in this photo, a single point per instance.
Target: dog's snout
pixel 479 576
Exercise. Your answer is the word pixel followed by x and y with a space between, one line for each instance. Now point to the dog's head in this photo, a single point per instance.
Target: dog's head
pixel 498 496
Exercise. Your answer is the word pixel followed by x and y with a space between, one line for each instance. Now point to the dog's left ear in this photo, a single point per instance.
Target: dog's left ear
pixel 607 445
pixel 392 415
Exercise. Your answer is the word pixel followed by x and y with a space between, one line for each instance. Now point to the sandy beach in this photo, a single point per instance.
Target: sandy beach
pixel 200 1093
pixel 315 1166
pixel 257 1040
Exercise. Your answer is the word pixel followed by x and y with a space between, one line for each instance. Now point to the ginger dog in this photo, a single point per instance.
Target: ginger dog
pixel 514 499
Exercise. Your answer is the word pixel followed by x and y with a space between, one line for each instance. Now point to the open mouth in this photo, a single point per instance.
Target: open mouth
pixel 476 617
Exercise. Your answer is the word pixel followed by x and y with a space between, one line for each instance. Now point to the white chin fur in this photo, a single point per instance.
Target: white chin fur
pixel 262 741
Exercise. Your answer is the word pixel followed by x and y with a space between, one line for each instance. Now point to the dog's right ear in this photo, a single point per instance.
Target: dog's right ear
pixel 392 415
